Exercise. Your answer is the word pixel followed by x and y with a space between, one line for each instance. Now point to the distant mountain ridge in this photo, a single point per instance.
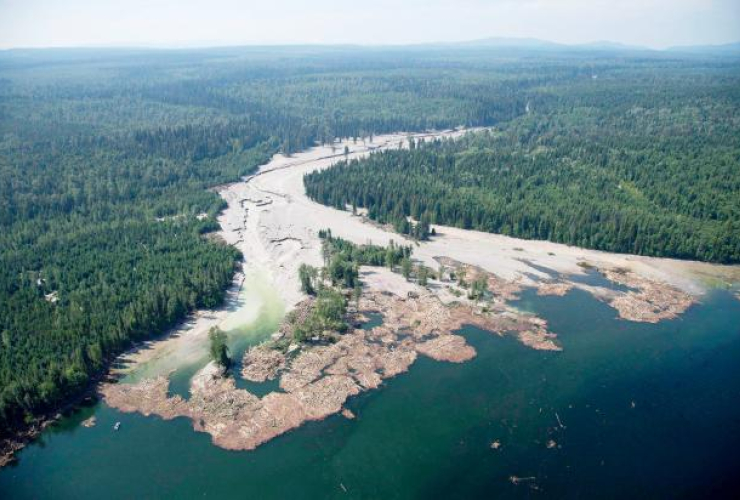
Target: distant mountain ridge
pixel 605 45
pixel 722 49
pixel 513 44
pixel 539 44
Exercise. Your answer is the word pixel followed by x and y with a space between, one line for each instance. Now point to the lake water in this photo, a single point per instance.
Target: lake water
pixel 648 411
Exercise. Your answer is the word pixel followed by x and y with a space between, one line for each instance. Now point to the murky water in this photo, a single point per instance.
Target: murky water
pixel 627 410
pixel 256 314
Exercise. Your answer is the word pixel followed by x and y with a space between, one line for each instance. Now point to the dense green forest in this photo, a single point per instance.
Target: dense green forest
pixel 630 160
pixel 108 157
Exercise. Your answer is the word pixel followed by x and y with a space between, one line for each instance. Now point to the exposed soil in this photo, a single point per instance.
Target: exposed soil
pixel 647 300
pixel 499 287
pixel 262 363
pixel 452 348
pixel 273 223
pixel 318 380
pixel 651 301
pixel 557 289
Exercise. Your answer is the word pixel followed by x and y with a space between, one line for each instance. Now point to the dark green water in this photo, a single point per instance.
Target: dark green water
pixel 427 434
pixel 374 319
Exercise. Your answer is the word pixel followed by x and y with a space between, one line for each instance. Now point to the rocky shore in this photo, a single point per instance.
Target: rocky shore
pixel 645 300
pixel 316 379
pixel 648 301
pixel 275 226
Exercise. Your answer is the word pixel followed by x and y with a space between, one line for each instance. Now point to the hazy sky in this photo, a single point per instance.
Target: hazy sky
pixel 656 23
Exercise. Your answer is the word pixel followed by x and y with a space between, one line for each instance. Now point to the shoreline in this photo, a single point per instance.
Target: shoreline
pixel 16 442
pixel 316 379
pixel 274 224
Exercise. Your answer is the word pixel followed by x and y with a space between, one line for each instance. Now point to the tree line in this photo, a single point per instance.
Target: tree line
pixel 108 164
pixel 651 170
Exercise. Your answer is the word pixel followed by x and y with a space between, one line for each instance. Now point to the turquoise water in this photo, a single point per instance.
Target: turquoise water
pixel 648 411
pixel 253 318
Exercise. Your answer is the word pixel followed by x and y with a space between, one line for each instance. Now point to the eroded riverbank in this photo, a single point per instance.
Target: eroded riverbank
pixel 317 379
pixel 276 226
pixel 493 391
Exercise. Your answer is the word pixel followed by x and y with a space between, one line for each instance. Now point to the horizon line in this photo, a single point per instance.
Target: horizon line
pixel 505 42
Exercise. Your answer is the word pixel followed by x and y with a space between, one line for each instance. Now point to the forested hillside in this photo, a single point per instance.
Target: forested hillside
pixel 106 158
pixel 633 160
